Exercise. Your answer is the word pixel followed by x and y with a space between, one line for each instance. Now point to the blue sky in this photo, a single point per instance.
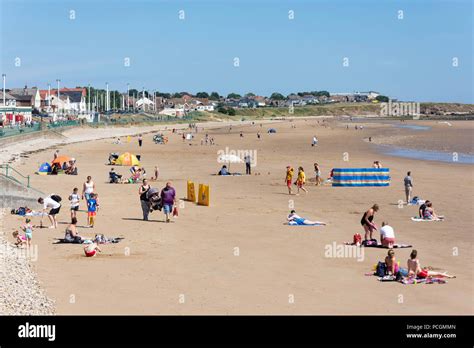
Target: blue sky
pixel 409 58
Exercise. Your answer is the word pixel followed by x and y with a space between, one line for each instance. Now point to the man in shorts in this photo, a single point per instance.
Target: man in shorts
pixel 53 206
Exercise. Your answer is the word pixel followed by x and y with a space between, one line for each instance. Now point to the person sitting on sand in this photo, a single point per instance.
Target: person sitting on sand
pixel 377 164
pixel 429 213
pixel 295 219
pixel 387 235
pixel 414 269
pixel 223 171
pixel 421 210
pixel 71 169
pixel 71 235
pixel 20 239
pixel 391 262
pixel 91 249
pixel 366 221
pixel 114 177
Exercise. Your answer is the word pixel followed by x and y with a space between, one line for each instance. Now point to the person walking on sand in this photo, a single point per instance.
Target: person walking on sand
pixel 168 199
pixel 317 173
pixel 301 180
pixel 54 207
pixel 140 140
pixel 88 188
pixel 315 141
pixel 408 186
pixel 74 198
pixel 366 221
pixel 248 161
pixel 142 191
pixel 289 178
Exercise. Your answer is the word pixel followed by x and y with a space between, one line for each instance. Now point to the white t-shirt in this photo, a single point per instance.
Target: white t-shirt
pixel 387 232
pixel 48 202
pixel 75 199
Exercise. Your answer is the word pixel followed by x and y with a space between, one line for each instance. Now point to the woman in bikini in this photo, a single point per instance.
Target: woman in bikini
pixel 366 221
pixel 391 262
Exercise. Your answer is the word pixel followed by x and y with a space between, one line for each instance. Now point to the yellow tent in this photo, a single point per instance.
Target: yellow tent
pixel 127 159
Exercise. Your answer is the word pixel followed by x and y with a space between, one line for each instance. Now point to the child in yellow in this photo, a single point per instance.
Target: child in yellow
pixel 301 180
pixel 289 178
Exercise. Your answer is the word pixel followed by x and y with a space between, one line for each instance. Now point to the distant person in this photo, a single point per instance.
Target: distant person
pixel 140 140
pixel 88 188
pixel 28 229
pixel 92 207
pixel 289 178
pixel 142 191
pixel 408 186
pixel 71 235
pixel 317 173
pixel 387 235
pixel 247 160
pixel 414 268
pixel 91 249
pixel 391 262
pixel 301 180
pixel 114 178
pixel 429 213
pixel 295 219
pixel 74 198
pixel 367 221
pixel 55 155
pixel 314 142
pixel 168 199
pixel 223 171
pixel 421 210
pixel 258 135
pixel 156 174
pixel 54 207
pixel 377 164
pixel 241 134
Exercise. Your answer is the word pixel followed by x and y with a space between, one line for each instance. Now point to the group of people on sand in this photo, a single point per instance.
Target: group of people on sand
pixel 167 200
pixel 136 174
pixel 300 181
pixel 412 271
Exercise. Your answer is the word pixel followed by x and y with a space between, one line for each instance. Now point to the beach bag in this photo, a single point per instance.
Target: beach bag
pixel 175 212
pixel 381 269
pixel 357 239
pixel 56 198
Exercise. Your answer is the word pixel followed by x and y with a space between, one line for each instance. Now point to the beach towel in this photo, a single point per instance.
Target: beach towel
pixel 419 219
pixel 360 177
pixel 87 241
pixel 36 213
pixel 429 280
pixel 381 246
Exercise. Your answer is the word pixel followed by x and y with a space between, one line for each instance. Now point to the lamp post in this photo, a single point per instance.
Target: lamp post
pixel 128 97
pixel 89 94
pixel 4 77
pixel 107 101
pixel 58 80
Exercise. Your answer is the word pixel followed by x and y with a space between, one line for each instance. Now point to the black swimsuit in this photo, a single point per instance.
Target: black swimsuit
pixel 363 222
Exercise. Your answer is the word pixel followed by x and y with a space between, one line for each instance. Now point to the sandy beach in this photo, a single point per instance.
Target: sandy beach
pixel 236 256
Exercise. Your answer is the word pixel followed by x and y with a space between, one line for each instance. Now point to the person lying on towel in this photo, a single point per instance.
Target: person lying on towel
pixel 296 220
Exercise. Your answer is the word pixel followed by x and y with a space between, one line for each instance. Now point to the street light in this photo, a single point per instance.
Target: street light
pixel 128 97
pixel 4 76
pixel 58 80
pixel 107 96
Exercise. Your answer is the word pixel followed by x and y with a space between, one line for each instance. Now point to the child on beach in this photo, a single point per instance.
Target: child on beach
pixel 91 249
pixel 155 174
pixel 289 178
pixel 74 198
pixel 20 239
pixel 92 207
pixel 317 173
pixel 301 180
pixel 28 229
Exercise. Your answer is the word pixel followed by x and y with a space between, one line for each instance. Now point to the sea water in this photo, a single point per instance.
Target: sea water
pixel 426 155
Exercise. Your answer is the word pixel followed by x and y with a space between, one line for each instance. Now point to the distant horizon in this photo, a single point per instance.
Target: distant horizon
pixel 422 54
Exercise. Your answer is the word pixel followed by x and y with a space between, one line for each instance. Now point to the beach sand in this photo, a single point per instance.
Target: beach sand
pixel 236 256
